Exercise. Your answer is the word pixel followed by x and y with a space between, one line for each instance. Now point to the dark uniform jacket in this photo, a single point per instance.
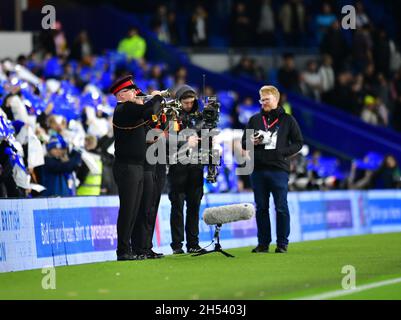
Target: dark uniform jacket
pixel 129 133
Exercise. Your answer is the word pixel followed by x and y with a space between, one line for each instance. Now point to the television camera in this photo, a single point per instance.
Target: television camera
pixel 208 118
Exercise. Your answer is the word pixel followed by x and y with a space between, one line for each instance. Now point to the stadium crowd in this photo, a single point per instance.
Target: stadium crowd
pixel 56 131
pixel 357 71
pixel 58 135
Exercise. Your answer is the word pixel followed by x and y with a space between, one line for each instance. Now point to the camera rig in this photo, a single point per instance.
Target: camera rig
pixel 172 112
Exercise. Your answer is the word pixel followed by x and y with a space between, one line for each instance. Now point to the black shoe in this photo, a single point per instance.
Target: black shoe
pixel 139 257
pixel 196 249
pixel 153 255
pixel 281 249
pixel 178 251
pixel 125 257
pixel 260 249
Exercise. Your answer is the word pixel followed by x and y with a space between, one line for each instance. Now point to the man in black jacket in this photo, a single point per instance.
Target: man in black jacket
pixel 277 137
pixel 129 120
pixel 186 183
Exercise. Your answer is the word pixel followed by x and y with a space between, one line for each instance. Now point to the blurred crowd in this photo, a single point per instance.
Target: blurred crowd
pixel 358 71
pixel 254 23
pixel 363 80
pixel 318 172
pixel 56 136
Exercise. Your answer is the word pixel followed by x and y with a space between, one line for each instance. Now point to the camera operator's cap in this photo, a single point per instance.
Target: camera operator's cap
pixel 126 82
pixel 188 94
pixel 56 141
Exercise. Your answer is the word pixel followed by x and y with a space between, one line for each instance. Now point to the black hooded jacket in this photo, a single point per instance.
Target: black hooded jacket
pixel 183 92
pixel 289 139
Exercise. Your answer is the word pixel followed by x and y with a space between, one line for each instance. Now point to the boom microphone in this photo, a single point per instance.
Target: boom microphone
pixel 228 213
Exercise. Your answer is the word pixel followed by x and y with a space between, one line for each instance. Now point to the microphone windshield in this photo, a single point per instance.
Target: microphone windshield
pixel 228 213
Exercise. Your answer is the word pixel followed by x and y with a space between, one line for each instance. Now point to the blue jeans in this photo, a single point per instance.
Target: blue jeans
pixel 276 183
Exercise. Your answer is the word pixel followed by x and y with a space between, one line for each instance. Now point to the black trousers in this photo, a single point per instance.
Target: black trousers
pixel 186 185
pixel 160 183
pixel 129 179
pixel 154 180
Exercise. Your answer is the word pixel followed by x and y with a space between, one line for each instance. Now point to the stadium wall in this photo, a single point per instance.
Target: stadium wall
pixel 37 233
pixel 14 44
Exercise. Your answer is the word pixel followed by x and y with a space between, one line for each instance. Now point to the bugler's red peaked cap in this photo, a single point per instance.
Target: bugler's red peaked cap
pixel 124 83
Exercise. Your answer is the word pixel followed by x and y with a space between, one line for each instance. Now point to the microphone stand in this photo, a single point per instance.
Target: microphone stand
pixel 217 246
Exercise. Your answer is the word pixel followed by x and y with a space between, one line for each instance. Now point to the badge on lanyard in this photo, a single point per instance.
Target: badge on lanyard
pixel 271 137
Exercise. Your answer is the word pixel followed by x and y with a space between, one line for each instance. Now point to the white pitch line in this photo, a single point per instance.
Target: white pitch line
pixel 339 293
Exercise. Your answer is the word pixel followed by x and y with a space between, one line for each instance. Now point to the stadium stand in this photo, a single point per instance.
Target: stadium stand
pixel 70 86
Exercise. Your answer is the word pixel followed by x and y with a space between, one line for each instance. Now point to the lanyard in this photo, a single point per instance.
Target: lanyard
pixel 267 127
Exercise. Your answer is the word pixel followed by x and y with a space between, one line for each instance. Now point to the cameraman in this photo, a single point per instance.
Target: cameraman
pixel 186 182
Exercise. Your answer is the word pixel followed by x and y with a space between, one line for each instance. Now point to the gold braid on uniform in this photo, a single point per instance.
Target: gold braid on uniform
pixel 137 126
pixel 131 128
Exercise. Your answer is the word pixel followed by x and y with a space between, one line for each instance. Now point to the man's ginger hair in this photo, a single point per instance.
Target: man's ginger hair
pixel 270 90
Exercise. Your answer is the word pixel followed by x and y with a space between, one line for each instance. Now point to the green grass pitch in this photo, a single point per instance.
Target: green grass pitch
pixel 309 268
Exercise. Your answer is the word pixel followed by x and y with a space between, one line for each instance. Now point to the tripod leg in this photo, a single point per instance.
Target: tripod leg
pixel 202 253
pixel 226 254
pixel 217 246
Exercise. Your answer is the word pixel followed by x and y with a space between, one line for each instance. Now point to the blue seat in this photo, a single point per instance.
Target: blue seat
pixel 371 161
pixel 272 77
pixel 227 100
pixel 246 112
pixel 53 68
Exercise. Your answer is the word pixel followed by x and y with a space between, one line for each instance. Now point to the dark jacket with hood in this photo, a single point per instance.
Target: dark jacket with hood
pixel 183 92
pixel 289 139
